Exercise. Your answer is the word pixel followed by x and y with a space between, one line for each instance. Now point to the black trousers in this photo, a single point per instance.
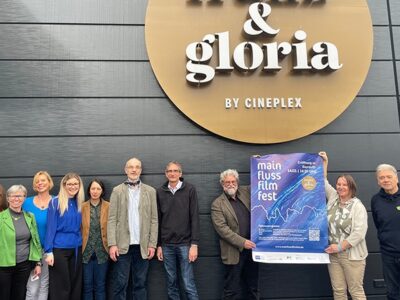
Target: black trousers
pixel 244 274
pixel 65 276
pixel 13 281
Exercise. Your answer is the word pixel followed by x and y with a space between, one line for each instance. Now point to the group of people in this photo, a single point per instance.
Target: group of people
pixel 59 247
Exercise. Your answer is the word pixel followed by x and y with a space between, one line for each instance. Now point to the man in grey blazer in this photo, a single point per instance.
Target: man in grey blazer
pixel 230 214
pixel 132 232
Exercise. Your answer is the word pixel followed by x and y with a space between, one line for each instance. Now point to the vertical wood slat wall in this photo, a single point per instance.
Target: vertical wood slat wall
pixel 77 93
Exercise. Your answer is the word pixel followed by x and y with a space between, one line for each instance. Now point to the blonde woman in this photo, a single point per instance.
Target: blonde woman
pixel 37 287
pixel 63 241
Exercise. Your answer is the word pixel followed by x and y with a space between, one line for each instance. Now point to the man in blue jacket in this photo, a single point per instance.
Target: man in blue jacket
pixel 178 234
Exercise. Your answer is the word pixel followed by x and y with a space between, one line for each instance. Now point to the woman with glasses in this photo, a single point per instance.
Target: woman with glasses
pixel 38 287
pixel 63 240
pixel 19 244
pixel 94 242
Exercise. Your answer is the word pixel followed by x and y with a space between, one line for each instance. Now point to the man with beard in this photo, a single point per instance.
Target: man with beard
pixel 230 214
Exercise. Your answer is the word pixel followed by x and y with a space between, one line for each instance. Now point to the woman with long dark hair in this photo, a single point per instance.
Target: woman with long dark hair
pixel 94 242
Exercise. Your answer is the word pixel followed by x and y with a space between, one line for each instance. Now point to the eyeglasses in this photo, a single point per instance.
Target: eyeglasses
pixel 72 184
pixel 173 171
pixel 16 196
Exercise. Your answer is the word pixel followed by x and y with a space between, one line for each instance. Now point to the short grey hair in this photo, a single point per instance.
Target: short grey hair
pixel 226 173
pixel 16 188
pixel 385 167
pixel 174 162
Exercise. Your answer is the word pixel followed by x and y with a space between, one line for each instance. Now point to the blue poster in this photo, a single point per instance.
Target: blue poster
pixel 288 209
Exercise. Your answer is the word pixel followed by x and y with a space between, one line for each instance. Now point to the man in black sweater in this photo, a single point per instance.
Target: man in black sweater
pixel 178 235
pixel 385 207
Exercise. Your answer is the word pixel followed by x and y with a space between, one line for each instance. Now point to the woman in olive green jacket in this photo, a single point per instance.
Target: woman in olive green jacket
pixel 19 244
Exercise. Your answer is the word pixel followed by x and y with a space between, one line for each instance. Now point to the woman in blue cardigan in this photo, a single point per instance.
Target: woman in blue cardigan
pixel 63 241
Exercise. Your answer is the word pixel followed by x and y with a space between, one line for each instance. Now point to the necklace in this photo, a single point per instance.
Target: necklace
pixel 15 218
pixel 42 204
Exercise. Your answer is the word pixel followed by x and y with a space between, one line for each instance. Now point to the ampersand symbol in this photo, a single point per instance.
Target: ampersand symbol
pixel 257 12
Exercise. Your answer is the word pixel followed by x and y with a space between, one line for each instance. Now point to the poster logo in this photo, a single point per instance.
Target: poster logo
pixel 260 72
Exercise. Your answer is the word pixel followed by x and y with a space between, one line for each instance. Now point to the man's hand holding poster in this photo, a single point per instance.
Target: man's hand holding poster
pixel 288 209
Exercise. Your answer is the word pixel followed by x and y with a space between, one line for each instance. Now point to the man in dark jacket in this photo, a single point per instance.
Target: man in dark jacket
pixel 230 214
pixel 178 235
pixel 385 207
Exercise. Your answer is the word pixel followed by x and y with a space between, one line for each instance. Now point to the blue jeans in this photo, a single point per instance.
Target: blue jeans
pixel 130 262
pixel 94 279
pixel 174 254
pixel 391 273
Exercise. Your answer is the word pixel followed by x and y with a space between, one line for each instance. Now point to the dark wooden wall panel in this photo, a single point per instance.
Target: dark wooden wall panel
pixel 367 114
pixel 74 11
pixel 395 11
pixel 396 40
pixel 382 48
pixel 77 79
pixel 121 79
pixel 140 116
pixel 398 78
pixel 106 155
pixel 378 10
pixel 116 116
pixel 103 12
pixel 71 42
pixel 380 80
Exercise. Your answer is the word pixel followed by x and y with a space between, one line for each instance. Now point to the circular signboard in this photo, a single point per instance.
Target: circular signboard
pixel 260 72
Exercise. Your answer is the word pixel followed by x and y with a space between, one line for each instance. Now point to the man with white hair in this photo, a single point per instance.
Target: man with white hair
pixel 385 207
pixel 230 214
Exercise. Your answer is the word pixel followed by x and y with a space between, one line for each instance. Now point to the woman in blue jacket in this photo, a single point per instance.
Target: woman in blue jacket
pixel 63 241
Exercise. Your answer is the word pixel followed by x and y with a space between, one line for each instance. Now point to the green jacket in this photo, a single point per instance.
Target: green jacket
pixel 8 243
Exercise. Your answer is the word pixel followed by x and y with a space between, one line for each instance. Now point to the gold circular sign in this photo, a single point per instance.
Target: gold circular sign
pixel 260 72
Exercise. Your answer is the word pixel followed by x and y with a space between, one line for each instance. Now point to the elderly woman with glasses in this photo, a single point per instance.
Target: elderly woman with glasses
pixel 20 244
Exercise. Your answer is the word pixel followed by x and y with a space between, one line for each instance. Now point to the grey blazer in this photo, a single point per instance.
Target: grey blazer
pixel 118 226
pixel 227 226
